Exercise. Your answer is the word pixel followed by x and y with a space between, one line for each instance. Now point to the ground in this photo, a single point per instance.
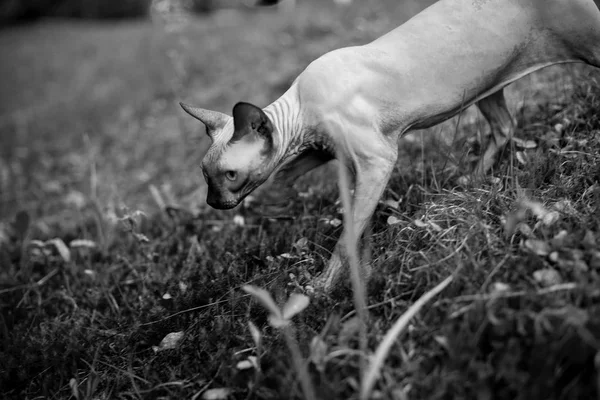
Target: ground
pixel 107 246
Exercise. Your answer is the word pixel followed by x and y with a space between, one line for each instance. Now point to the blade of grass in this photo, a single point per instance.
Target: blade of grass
pixel 371 375
pixel 350 239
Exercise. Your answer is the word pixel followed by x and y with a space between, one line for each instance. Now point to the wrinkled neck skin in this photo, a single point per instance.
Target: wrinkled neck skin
pixel 291 136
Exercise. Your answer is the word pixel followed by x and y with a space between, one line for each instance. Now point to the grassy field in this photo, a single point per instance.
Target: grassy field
pixel 107 245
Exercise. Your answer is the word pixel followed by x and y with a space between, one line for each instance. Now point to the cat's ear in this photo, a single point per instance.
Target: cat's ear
pixel 248 118
pixel 213 120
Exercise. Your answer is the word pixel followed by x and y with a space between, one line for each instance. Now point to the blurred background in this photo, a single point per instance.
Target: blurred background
pixel 19 11
pixel 90 89
pixel 89 93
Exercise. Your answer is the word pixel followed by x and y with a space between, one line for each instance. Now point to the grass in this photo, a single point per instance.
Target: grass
pixel 90 123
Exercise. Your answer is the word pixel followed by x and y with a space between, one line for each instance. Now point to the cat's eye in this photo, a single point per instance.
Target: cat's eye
pixel 231 175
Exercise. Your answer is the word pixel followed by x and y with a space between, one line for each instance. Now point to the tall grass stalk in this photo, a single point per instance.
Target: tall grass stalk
pixel 350 239
pixel 282 319
pixel 372 373
pixel 299 364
